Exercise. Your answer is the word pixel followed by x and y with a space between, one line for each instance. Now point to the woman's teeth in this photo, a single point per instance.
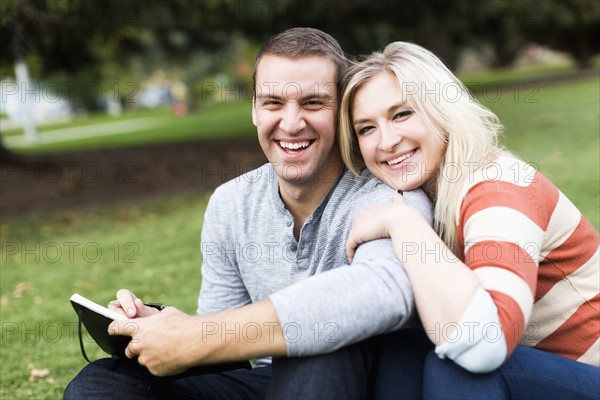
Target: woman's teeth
pixel 400 159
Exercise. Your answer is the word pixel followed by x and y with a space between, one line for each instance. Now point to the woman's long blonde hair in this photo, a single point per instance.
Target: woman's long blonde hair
pixel 468 130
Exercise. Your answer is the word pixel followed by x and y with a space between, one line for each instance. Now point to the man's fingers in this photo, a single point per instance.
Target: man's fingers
pixel 127 301
pixel 131 351
pixel 123 328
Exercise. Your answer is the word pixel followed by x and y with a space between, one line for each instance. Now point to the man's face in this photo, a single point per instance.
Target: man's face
pixel 295 112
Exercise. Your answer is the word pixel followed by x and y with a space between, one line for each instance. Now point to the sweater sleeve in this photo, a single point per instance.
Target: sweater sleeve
pixel 501 231
pixel 476 343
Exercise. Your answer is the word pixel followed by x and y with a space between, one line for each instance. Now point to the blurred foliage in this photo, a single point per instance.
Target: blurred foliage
pixel 115 42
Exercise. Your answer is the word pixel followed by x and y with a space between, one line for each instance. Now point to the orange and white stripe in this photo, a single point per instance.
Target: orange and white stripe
pixel 536 255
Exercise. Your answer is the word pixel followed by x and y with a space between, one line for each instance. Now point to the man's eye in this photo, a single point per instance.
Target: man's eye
pixel 314 105
pixel 271 103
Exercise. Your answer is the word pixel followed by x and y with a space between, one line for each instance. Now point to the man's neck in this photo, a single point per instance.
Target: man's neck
pixel 301 199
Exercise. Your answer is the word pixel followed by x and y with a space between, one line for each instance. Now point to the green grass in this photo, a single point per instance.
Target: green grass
pixel 501 76
pixel 557 128
pixel 210 121
pixel 88 119
pixel 151 248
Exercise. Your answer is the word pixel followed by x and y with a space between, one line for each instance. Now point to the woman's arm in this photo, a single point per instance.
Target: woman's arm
pixel 453 307
pixel 442 284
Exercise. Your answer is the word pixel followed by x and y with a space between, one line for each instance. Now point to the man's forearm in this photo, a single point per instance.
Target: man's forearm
pixel 248 332
pixel 343 306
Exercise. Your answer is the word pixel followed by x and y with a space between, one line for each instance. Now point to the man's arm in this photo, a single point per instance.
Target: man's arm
pixel 338 307
pixel 345 305
pixel 222 286
pixel 316 315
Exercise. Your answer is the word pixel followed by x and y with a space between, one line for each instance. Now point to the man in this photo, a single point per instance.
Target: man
pixel 271 241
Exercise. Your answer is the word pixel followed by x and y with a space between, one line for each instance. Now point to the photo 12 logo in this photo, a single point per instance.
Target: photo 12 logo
pixel 68 252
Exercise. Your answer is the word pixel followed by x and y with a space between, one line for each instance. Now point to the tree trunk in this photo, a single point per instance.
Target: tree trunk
pixel 8 157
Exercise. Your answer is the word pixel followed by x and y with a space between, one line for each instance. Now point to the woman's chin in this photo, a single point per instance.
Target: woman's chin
pixel 402 184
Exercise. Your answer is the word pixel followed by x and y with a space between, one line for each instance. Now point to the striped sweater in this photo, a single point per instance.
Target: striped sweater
pixel 536 255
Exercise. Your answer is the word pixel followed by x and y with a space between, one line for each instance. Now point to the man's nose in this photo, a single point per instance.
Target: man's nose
pixel 292 120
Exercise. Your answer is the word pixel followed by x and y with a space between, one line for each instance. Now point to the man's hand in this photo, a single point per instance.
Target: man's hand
pixel 158 341
pixel 171 341
pixel 130 306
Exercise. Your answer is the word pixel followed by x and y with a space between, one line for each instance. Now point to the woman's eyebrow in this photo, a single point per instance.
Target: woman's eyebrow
pixel 396 106
pixel 390 110
pixel 360 121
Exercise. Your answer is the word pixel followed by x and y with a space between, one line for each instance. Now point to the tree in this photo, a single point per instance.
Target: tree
pixel 572 26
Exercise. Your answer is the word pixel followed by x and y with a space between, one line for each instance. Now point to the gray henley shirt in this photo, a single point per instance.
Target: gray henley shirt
pixel 250 253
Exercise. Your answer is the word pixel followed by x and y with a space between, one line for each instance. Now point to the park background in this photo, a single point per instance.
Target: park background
pixel 118 119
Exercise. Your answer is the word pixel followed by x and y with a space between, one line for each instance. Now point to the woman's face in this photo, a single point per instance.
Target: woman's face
pixel 395 142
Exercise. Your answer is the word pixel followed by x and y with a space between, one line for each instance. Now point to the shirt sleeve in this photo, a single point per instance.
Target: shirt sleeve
pixel 346 305
pixel 222 286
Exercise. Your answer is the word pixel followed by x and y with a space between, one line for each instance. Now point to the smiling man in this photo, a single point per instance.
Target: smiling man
pixel 272 240
pixel 294 111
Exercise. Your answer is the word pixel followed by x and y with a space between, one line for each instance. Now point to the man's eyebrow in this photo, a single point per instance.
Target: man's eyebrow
pixel 318 96
pixel 268 97
pixel 312 96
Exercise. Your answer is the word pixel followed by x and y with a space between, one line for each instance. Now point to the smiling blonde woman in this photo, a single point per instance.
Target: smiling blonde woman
pixel 507 281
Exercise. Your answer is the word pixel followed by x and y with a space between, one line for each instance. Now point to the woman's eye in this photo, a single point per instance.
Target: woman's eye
pixel 403 114
pixel 363 130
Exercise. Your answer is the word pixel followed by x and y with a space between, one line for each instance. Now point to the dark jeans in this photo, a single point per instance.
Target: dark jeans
pixel 399 359
pixel 114 378
pixel 340 375
pixel 527 374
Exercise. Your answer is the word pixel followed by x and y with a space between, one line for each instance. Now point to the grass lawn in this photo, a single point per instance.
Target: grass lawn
pixel 156 126
pixel 152 247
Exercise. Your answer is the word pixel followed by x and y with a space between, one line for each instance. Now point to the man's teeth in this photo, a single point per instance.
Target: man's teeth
pixel 400 159
pixel 294 146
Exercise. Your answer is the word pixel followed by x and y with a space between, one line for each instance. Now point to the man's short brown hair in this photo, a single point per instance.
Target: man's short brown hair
pixel 297 43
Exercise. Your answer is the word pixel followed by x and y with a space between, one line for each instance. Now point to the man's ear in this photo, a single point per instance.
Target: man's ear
pixel 254 110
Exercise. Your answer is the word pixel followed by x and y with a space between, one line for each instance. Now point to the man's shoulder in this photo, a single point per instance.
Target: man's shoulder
pixel 242 186
pixel 366 182
pixel 360 192
pixel 365 187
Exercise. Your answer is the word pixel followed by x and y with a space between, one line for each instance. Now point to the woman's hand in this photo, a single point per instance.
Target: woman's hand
pixel 375 223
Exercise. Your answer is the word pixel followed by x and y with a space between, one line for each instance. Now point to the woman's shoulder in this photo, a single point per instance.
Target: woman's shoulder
pixel 504 168
pixel 510 185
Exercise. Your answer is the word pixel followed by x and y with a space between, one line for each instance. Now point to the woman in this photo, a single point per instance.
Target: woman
pixel 510 266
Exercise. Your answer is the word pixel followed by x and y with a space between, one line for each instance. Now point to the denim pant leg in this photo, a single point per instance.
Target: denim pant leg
pixel 343 374
pixel 113 378
pixel 399 359
pixel 527 374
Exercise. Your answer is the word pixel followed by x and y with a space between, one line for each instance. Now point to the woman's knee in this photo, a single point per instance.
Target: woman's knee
pixel 443 379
